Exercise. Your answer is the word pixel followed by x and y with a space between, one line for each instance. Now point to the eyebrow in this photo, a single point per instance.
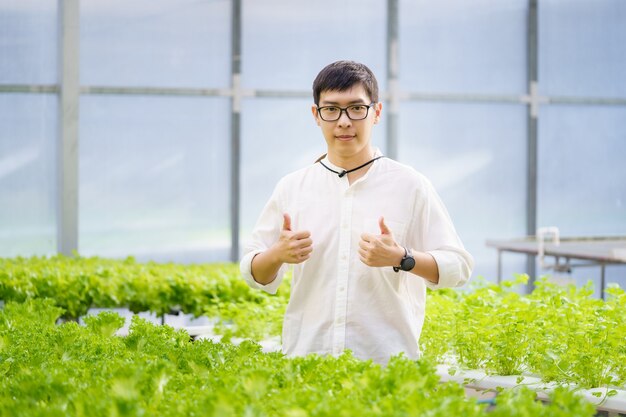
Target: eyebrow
pixel 336 103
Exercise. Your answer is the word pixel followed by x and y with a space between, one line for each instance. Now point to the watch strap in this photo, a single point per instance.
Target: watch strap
pixel 406 253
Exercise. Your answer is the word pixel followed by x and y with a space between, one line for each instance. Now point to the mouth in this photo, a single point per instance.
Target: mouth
pixel 345 138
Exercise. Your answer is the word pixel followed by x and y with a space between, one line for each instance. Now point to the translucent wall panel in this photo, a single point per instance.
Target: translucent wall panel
pixel 582 175
pixel 278 136
pixel 286 43
pixel 475 156
pixel 28 39
pixel 161 43
pixel 27 174
pixel 581 47
pixel 155 178
pixel 463 46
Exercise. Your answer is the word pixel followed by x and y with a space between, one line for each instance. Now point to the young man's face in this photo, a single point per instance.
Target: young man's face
pixel 348 140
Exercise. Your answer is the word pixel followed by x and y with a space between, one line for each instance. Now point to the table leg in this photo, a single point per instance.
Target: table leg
pixel 602 282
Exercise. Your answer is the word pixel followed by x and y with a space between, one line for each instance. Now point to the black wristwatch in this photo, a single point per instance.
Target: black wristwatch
pixel 407 263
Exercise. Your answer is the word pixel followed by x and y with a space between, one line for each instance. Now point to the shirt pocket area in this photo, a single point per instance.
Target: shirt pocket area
pixel 398 229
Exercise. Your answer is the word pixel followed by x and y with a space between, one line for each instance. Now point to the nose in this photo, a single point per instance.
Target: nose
pixel 344 120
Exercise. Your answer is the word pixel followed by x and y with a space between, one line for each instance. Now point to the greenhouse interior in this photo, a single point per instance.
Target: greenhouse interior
pixel 174 240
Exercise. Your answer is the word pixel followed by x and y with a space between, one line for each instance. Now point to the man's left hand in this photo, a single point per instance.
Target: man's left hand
pixel 380 250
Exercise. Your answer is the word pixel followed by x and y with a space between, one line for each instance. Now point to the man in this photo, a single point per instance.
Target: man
pixel 366 235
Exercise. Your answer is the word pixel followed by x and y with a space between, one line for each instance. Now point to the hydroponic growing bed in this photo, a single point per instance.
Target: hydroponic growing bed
pixel 559 342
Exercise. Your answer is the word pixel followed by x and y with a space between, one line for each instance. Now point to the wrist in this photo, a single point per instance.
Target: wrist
pixel 407 262
pixel 274 256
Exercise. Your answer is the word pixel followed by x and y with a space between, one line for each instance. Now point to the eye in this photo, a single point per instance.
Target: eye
pixel 358 107
pixel 330 109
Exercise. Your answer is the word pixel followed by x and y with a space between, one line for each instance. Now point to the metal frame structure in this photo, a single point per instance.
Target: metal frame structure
pixel 69 91
pixel 68 139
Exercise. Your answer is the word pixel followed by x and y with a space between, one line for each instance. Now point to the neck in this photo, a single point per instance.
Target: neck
pixel 351 161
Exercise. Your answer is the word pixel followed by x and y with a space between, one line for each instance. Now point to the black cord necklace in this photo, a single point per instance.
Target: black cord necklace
pixel 344 172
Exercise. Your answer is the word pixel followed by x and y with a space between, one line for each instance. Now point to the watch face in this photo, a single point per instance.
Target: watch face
pixel 407 264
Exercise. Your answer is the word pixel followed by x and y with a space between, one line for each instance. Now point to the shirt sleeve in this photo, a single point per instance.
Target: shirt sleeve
pixel 264 235
pixel 440 239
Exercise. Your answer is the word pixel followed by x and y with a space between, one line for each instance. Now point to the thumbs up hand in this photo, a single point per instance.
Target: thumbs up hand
pixel 292 247
pixel 380 250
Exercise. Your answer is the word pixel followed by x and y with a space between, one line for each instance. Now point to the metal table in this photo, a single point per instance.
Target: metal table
pixel 590 251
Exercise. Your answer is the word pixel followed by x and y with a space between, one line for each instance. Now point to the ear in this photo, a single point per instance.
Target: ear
pixel 378 108
pixel 315 114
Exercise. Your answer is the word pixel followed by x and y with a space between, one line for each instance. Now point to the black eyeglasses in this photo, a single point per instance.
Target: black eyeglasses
pixel 354 112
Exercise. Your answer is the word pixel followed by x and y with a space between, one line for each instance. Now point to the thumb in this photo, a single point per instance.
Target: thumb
pixel 384 230
pixel 286 222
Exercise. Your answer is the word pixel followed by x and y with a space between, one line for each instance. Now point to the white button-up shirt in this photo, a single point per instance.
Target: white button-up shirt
pixel 337 302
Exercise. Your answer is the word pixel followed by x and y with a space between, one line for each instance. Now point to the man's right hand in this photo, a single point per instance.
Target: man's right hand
pixel 293 247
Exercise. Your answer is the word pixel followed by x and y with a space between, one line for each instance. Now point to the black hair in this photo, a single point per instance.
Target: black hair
pixel 343 75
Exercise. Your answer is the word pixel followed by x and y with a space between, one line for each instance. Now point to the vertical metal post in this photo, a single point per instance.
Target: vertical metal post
pixel 67 142
pixel 235 131
pixel 392 78
pixel 602 280
pixel 533 114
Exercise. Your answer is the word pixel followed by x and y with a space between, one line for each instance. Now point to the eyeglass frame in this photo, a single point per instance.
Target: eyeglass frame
pixel 345 110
